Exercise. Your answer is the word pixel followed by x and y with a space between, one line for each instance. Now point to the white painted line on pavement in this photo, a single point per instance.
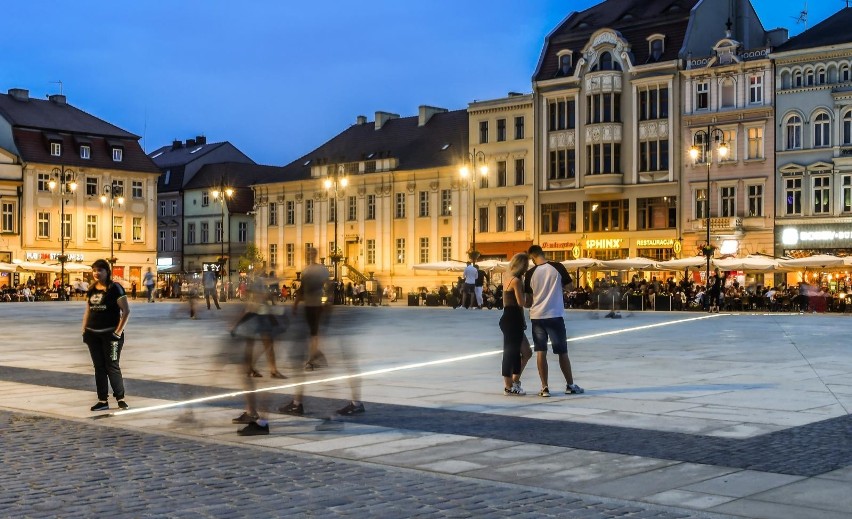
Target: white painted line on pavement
pixel 383 370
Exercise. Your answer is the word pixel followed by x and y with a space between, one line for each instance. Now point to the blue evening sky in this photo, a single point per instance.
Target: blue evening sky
pixel 278 78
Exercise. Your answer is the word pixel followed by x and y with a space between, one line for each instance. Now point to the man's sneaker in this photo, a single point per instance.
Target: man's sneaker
pixel 574 389
pixel 254 429
pixel 293 409
pixel 513 391
pixel 518 389
pixel 245 418
pixel 123 405
pixel 100 406
pixel 545 392
pixel 351 409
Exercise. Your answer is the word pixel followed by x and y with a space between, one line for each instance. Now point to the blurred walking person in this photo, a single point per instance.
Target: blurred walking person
pixel 209 280
pixel 104 320
pixel 149 283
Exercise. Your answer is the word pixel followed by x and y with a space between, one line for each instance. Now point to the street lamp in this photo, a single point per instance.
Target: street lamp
pixel 334 184
pixel 63 183
pixel 467 173
pixel 113 194
pixel 222 195
pixel 701 149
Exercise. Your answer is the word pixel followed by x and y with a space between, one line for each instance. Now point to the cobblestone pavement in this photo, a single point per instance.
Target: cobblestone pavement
pixel 60 468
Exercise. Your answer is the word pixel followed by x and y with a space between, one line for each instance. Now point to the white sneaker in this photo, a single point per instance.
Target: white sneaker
pixel 516 386
pixel 574 389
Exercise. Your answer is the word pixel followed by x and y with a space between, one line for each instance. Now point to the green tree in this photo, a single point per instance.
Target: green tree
pixel 251 260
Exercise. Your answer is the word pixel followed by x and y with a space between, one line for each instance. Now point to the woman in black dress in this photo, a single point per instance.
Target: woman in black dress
pixel 516 347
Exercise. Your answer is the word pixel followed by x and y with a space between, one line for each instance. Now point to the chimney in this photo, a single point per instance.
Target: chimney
pixel 190 142
pixel 176 145
pixel 426 113
pixel 361 120
pixel 20 94
pixel 58 99
pixel 383 117
pixel 200 140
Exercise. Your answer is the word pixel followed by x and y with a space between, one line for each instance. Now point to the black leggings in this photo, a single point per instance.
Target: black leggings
pixel 512 326
pixel 105 360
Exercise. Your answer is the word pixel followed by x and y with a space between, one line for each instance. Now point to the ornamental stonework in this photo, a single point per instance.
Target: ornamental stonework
pixel 563 139
pixel 596 133
pixel 653 129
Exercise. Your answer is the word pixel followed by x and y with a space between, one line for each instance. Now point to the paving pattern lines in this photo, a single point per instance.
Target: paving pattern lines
pixel 78 469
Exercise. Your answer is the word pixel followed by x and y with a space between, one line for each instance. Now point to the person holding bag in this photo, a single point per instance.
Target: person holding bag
pixel 104 320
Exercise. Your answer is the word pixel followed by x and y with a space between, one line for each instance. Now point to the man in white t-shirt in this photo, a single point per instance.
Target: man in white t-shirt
pixel 543 287
pixel 469 289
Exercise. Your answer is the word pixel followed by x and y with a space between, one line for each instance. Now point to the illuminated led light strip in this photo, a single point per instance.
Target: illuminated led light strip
pixel 382 371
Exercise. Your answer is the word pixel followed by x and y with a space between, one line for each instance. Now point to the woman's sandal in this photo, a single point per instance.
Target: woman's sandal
pixel 254 373
pixel 277 374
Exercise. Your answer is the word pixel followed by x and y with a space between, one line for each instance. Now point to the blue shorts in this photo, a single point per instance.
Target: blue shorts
pixel 554 328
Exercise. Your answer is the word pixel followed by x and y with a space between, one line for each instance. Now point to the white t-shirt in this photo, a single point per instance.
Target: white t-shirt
pixel 470 274
pixel 545 283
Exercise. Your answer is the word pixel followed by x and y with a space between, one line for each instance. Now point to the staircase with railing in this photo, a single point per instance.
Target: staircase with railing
pixel 354 274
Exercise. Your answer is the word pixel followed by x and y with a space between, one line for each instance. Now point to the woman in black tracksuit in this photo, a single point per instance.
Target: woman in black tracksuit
pixel 103 332
pixel 516 347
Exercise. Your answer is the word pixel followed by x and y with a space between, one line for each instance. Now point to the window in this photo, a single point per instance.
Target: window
pixel 519 127
pixel 117 154
pixel 371 207
pixel 424 203
pixel 308 247
pixel 519 172
pixel 400 250
pixel 483 180
pixel 606 215
pixel 844 73
pixel 190 233
pixel 162 235
pixel 205 232
pixel 655 48
pixel 755 200
pixel 822 129
pixel 820 76
pixel 656 213
pixel 701 207
pixel 136 189
pixel 205 199
pixel 242 232
pixel 561 114
pixel 565 64
pixel 501 173
pixel 273 255
pixel 603 158
pixel 847 128
pixel 217 232
pixel 501 130
pixel 91 186
pixel 118 228
pixel 846 193
pixel 654 155
pixel 85 152
pixel 309 211
pixel 290 254
pixel 809 78
pixel 91 227
pixel 501 218
pixel 822 195
pixel 290 212
pixel 793 132
pixel 136 231
pixel 43 182
pixel 352 208
pixel 424 250
pixel 399 211
pixel 729 137
pixel 273 213
pixel 174 207
pixel 653 103
pixel 520 224
pixel 173 235
pixel 604 108
pixel 702 95
pixel 55 149
pixel 162 208
pixel 558 217
pixel 562 164
pixel 797 78
pixel 755 143
pixel 793 195
pixel 729 97
pixel 728 197
pixel 755 89
pixel 332 209
pixel 605 62
pixel 446 202
pixel 483 132
pixel 7 217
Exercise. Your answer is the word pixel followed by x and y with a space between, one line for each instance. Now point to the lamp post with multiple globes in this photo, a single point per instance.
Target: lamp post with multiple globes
pixel 468 173
pixel 222 195
pixel 701 149
pixel 63 184
pixel 112 194
pixel 334 184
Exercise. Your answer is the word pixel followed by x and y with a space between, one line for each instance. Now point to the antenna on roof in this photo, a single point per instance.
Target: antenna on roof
pixel 803 15
pixel 60 85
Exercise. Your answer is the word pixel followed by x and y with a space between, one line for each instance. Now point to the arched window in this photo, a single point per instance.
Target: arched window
pixel 656 49
pixel 606 61
pixel 797 79
pixel 793 132
pixel 809 77
pixel 728 93
pixel 820 76
pixel 847 128
pixel 565 64
pixel 822 131
pixel 844 73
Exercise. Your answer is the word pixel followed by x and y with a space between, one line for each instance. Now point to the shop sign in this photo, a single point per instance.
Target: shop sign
pixel 666 244
pixel 164 262
pixel 614 243
pixel 792 235
pixel 557 245
pixel 36 256
pixel 211 267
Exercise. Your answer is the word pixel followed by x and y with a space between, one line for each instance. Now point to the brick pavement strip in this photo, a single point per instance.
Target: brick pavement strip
pixel 64 468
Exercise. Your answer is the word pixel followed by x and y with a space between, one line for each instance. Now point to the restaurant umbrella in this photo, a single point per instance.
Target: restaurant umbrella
pixel 752 262
pixel 8 267
pixel 822 261
pixel 684 263
pixel 637 263
pixel 441 266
